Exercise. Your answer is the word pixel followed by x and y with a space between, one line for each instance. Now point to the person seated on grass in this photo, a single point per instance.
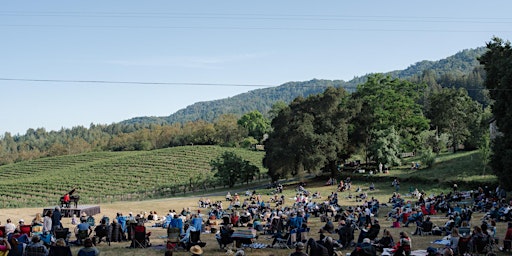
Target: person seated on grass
pixel 186 238
pixel 299 250
pixel 386 241
pixel 60 248
pixel 5 246
pixel 364 249
pixel 35 247
pixel 88 249
pixel 374 230
pixel 82 228
pixel 416 216
pixel 100 232
pixel 403 247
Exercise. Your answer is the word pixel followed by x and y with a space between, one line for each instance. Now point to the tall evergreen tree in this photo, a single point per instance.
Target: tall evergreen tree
pixel 497 63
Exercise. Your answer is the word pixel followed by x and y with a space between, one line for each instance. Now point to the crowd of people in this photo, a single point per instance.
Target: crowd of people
pixel 355 228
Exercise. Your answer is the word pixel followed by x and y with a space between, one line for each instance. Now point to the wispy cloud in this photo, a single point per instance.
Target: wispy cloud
pixel 202 62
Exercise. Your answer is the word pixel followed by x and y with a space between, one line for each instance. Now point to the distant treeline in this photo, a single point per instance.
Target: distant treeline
pixel 234 121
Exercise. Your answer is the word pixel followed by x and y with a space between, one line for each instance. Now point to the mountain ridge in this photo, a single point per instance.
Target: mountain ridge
pixel 463 62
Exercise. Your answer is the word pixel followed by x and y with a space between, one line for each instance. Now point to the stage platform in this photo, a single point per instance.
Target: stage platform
pixel 90 210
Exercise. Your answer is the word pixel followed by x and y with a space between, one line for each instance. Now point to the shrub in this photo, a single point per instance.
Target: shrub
pixel 428 157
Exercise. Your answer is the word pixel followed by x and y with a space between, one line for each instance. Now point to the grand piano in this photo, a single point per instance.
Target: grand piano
pixel 72 199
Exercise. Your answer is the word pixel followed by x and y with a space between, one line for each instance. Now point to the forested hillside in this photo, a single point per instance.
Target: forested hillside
pixel 219 122
pixel 458 71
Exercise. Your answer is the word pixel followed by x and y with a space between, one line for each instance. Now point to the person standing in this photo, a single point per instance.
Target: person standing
pixel 56 218
pixel 47 222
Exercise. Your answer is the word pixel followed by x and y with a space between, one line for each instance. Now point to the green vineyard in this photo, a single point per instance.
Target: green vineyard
pixel 101 177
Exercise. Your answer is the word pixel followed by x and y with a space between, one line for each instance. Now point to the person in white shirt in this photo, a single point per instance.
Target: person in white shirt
pixel 9 227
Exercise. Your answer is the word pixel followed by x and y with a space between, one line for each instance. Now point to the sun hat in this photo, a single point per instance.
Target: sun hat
pixel 299 246
pixel 196 249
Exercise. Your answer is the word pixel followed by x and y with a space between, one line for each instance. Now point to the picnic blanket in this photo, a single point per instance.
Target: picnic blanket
pixel 244 233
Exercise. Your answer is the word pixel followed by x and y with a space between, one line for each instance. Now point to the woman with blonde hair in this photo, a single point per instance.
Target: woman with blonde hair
pixel 38 220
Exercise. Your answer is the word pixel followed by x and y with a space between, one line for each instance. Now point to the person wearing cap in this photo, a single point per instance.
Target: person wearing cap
pixel 299 250
pixel 196 250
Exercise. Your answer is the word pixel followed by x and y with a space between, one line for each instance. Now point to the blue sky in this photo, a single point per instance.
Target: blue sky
pixel 201 49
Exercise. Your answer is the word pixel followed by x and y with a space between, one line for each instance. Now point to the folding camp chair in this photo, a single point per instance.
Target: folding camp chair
pixel 195 239
pixel 100 232
pixel 284 241
pixel 173 238
pixel 82 234
pixel 62 233
pixel 225 238
pixel 140 239
pixel 25 229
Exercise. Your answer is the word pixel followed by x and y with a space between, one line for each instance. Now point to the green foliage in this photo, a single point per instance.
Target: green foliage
pixel 255 123
pixel 310 135
pixel 454 112
pixel 436 142
pixel 497 63
pixel 231 168
pixel 389 102
pixel 385 149
pixel 428 157
pixel 248 142
pixel 227 131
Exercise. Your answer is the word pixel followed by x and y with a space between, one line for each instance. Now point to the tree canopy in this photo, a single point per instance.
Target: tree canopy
pixel 497 63
pixel 310 135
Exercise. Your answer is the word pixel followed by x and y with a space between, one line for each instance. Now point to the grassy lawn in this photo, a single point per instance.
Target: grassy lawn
pixel 462 168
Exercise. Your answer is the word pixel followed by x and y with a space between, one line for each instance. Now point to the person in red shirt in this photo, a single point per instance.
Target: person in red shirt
pixel 66 199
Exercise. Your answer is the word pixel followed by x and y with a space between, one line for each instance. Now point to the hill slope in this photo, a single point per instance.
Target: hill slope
pixel 112 176
pixel 463 62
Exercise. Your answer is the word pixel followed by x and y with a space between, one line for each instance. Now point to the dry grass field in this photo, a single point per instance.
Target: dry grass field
pixel 162 206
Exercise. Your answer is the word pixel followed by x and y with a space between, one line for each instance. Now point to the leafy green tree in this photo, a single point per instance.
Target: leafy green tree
pixel 227 131
pixel 311 135
pixel 387 102
pixel 454 112
pixel 497 63
pixel 428 157
pixel 433 140
pixel 385 148
pixel 231 168
pixel 255 123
